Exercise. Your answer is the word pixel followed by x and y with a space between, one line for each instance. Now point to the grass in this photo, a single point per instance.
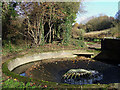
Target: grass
pixel 111 32
pixel 9 48
pixel 92 43
pixel 14 84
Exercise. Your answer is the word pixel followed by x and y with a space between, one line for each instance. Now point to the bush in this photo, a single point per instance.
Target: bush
pixel 78 33
pixel 99 23
pixel 78 37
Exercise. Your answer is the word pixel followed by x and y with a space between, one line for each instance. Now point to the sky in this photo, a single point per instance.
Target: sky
pixel 96 8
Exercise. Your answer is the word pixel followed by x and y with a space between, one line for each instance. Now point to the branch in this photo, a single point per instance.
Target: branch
pixel 23 34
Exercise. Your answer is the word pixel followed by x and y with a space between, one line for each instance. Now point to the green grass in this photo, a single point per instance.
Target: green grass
pixel 13 83
pixel 111 32
pixel 92 43
pixel 9 48
pixel 78 43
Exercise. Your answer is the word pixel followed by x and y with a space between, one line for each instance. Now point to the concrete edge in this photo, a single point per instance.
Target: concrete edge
pixel 41 56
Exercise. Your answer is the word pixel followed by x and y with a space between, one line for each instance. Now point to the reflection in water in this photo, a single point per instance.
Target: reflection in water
pixel 23 74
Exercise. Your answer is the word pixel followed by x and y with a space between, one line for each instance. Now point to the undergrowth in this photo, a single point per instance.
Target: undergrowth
pixel 9 47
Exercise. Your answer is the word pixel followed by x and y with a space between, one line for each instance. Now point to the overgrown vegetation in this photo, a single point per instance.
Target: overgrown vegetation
pixel 39 23
pixel 33 24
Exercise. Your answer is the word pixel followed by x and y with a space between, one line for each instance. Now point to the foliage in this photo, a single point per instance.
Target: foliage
pixel 67 31
pixel 98 23
pixel 79 35
pixel 38 22
pixel 76 25
pixel 71 8
pixel 8 16
pixel 9 47
pixel 42 20
pixel 13 84
pixel 117 30
pixel 82 32
pixel 92 43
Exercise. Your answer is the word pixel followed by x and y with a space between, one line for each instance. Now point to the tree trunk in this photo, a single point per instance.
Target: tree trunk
pixel 42 33
pixel 50 39
pixel 53 34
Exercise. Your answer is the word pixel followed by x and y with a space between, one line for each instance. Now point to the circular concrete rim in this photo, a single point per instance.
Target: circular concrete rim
pixel 41 56
pixel 70 54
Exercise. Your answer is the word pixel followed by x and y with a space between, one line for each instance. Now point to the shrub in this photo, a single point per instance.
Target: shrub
pixel 78 33
pixel 99 23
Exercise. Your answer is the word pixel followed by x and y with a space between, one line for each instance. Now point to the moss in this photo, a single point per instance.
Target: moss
pixel 11 74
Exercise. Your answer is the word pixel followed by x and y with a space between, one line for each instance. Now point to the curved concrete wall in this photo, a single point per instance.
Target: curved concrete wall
pixel 36 57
